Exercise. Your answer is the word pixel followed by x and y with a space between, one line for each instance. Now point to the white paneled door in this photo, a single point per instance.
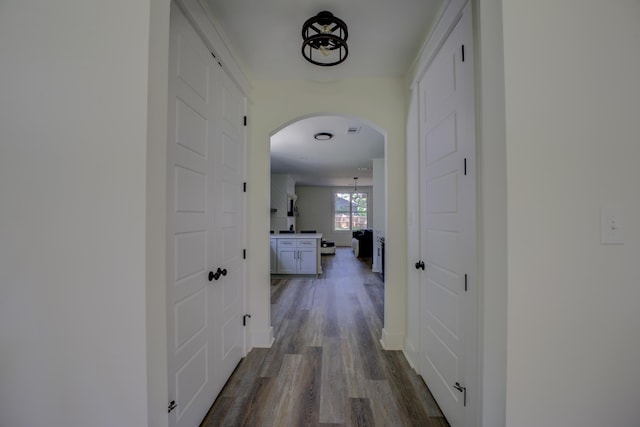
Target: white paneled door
pixel 205 225
pixel 228 204
pixel 448 231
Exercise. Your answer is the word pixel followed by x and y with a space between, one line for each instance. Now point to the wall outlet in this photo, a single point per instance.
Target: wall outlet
pixel 611 225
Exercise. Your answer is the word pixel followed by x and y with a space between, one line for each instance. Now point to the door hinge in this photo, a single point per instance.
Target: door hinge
pixel 462 390
pixel 244 319
pixel 172 405
pixel 244 187
pixel 216 58
pixel 466 282
pixel 245 120
pixel 462 53
pixel 244 254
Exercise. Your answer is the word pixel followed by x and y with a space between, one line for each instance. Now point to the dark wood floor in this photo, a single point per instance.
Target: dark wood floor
pixel 326 367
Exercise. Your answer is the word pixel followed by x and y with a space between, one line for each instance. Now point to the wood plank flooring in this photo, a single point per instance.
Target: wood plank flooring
pixel 326 367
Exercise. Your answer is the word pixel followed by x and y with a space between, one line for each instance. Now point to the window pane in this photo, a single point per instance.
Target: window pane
pixel 359 211
pixel 342 222
pixel 342 211
pixel 342 202
pixel 350 211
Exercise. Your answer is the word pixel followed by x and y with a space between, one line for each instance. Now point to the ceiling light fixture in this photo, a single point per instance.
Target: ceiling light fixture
pixel 326 34
pixel 355 184
pixel 323 136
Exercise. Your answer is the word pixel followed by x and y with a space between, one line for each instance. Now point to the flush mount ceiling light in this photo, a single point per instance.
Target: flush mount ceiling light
pixel 326 35
pixel 323 136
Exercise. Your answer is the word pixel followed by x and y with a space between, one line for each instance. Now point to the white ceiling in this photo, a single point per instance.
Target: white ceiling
pixel 265 37
pixel 335 162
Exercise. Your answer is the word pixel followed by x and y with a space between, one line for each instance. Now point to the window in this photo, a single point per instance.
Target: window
pixel 350 211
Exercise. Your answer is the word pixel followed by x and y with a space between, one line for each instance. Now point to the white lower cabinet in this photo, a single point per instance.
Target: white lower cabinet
pixel 287 261
pixel 295 256
pixel 307 254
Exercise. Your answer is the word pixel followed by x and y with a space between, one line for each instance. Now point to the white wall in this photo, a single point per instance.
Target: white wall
pixel 572 141
pixel 276 103
pixel 315 205
pixel 73 123
pixel 492 211
pixel 156 306
pixel 379 207
pixel 378 220
pixel 412 339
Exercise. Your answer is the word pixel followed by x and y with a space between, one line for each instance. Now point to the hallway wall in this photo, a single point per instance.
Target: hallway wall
pixel 572 144
pixel 73 117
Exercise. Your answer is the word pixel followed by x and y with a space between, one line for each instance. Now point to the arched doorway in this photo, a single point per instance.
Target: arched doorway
pixel 331 152
pixel 320 162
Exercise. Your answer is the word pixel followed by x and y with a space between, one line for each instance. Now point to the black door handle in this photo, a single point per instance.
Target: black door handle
pixel 420 265
pixel 219 272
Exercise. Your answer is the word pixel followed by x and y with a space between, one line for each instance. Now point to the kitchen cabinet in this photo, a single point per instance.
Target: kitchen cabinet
pixel 296 254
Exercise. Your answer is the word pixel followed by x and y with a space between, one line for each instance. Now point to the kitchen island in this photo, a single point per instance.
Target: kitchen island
pixel 295 253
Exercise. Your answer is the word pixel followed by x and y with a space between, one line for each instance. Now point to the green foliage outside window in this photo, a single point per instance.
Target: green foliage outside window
pixel 350 211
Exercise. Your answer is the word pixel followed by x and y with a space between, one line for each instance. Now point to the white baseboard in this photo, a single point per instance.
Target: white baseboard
pixel 262 339
pixel 391 341
pixel 412 356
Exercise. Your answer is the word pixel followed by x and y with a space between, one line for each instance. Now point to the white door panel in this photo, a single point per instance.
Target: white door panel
pixel 205 335
pixel 447 191
pixel 191 128
pixel 187 225
pixel 230 220
pixel 443 136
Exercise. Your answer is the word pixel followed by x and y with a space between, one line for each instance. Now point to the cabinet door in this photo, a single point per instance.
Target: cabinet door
pixel 287 256
pixel 307 263
pixel 307 256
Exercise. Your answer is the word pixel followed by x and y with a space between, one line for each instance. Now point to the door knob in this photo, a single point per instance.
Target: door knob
pixel 219 272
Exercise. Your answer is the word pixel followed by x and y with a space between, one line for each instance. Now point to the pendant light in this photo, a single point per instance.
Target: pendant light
pixel 326 36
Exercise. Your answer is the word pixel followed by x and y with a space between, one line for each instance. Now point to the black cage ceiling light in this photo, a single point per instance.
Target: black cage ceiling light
pixel 325 40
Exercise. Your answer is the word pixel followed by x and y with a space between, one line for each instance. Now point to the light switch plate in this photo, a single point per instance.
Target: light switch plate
pixel 611 225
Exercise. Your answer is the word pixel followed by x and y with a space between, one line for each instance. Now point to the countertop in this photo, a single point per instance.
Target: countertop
pixel 295 236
